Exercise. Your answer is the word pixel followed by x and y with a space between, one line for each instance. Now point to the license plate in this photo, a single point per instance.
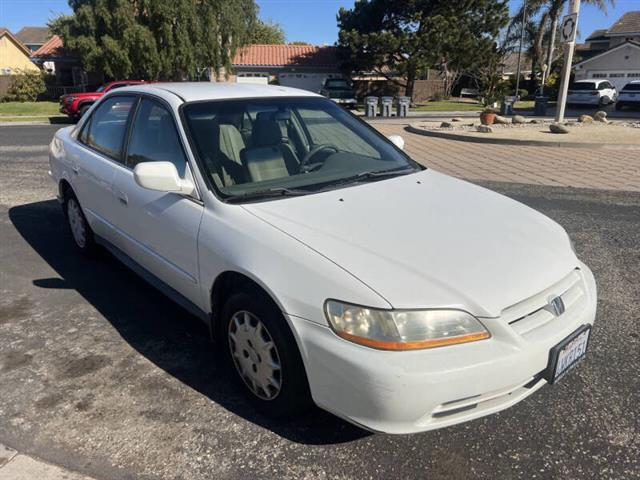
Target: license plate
pixel 568 353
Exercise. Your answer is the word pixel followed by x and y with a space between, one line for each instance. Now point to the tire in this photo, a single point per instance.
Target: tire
pixel 83 110
pixel 277 392
pixel 79 228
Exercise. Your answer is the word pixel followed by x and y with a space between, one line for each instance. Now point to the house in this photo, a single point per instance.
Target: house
pixel 299 66
pixel 612 54
pixel 14 56
pixel 510 66
pixel 33 37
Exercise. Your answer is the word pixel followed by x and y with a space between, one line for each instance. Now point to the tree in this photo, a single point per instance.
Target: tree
pixel 156 39
pixel 267 33
pixel 298 42
pixel 407 37
pixel 546 15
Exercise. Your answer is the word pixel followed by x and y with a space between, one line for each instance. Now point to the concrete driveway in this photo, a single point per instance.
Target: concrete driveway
pixel 101 374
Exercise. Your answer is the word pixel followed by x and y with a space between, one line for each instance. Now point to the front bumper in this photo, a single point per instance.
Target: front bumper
pixel 414 391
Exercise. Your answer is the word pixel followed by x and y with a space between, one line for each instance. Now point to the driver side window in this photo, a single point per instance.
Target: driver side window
pixel 154 137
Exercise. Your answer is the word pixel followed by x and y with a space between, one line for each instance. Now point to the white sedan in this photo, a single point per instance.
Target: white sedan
pixel 330 266
pixel 592 92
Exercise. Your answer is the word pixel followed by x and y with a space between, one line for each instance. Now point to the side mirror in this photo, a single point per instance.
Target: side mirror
pixel 397 140
pixel 162 177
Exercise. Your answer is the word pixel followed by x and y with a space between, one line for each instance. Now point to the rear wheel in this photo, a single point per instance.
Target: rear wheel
pixel 263 354
pixel 80 230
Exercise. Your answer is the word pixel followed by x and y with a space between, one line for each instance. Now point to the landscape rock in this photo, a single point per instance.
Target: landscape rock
pixel 446 125
pixel 457 119
pixel 518 119
pixel 533 120
pixel 501 120
pixel 600 116
pixel 558 128
pixel 484 129
pixel 585 119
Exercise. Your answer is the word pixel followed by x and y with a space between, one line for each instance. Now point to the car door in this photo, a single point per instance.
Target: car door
pixel 158 230
pixel 94 160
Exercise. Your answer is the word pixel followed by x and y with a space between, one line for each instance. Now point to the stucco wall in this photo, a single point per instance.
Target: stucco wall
pixel 12 57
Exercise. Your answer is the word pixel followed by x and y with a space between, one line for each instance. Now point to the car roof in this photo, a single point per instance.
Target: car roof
pixel 196 91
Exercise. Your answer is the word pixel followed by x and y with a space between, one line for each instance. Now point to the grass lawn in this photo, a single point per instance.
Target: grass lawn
pixel 446 106
pixel 28 109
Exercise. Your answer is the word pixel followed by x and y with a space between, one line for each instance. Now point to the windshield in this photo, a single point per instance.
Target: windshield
pixel 288 145
pixel 583 86
pixel 337 84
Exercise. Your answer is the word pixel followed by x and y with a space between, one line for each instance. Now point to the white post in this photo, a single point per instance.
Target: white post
pixel 574 7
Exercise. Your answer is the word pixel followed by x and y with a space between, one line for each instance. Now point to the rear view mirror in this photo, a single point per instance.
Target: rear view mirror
pixel 397 140
pixel 162 177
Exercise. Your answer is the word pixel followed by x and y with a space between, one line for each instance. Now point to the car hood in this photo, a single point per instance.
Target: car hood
pixel 427 240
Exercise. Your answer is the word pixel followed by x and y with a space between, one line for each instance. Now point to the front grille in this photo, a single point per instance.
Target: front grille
pixel 533 318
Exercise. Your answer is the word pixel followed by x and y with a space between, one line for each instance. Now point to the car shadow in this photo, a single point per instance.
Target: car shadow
pixel 160 330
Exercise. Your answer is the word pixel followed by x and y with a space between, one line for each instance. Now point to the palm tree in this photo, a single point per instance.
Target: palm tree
pixel 547 13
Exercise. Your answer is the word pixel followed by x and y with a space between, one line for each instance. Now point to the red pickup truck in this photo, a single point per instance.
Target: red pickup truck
pixel 76 104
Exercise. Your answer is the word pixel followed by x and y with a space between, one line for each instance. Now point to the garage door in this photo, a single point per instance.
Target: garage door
pixel 306 81
pixel 617 79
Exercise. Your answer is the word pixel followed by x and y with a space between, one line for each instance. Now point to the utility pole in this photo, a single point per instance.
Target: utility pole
pixel 569 47
pixel 524 21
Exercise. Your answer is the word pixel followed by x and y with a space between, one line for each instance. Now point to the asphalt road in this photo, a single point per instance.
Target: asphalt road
pixel 103 375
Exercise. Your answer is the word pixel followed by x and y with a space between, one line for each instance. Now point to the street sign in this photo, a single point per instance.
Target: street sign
pixel 569 28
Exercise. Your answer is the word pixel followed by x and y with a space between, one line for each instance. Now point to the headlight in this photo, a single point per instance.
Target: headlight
pixel 403 329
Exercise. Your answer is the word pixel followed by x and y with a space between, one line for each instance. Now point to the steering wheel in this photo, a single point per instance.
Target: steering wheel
pixel 306 165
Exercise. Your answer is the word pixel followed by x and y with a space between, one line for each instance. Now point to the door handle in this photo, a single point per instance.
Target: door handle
pixel 122 197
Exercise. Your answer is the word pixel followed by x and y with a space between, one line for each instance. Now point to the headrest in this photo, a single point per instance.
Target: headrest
pixel 266 132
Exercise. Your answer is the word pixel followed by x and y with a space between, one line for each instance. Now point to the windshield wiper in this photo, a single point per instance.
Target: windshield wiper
pixel 375 175
pixel 268 193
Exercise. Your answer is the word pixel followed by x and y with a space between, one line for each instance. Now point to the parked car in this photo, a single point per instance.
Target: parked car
pixel 340 91
pixel 591 92
pixel 329 265
pixel 75 105
pixel 629 95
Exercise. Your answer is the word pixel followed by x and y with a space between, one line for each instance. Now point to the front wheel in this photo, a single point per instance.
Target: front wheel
pixel 263 354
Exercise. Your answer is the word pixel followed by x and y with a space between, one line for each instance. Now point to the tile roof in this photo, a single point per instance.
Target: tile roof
pixel 286 55
pixel 52 48
pixel 510 63
pixel 33 35
pixel 628 23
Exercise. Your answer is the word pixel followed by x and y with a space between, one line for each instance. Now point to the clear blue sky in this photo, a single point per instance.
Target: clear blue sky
pixel 313 21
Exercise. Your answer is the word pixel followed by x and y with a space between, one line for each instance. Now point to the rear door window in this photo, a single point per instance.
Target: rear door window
pixel 106 128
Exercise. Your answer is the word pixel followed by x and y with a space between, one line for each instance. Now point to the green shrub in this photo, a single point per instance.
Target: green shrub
pixel 25 86
pixel 522 93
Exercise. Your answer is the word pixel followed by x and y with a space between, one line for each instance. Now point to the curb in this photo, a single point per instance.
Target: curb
pixel 510 141
pixel 17 466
